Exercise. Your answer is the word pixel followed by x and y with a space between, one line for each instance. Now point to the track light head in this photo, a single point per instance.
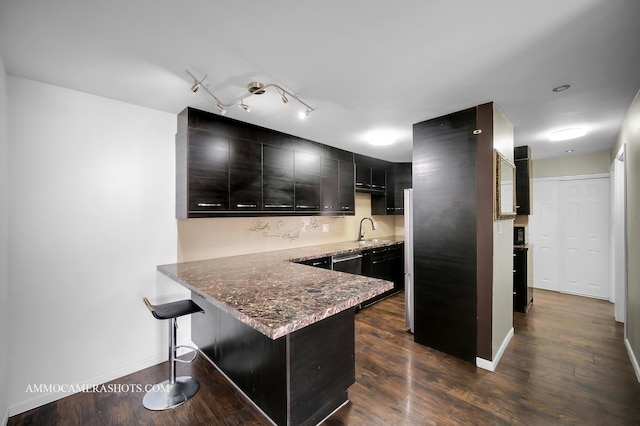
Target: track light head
pixel 221 109
pixel 283 96
pixel 195 87
pixel 244 106
pixel 304 114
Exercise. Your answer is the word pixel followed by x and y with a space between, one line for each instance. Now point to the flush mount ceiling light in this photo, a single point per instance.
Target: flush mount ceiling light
pixel 566 134
pixel 253 88
pixel 561 88
pixel 381 139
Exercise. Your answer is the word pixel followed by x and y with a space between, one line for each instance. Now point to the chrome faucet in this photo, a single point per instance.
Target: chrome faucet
pixel 360 233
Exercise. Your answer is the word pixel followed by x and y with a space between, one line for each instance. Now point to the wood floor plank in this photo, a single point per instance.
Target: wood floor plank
pixel 566 364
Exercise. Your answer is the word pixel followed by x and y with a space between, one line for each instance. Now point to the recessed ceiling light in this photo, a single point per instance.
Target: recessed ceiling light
pixel 569 151
pixel 382 138
pixel 566 134
pixel 561 88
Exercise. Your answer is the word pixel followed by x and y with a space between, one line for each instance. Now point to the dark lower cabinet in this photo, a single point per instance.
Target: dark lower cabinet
pixel 522 286
pixel 297 379
pixel 386 263
pixel 320 262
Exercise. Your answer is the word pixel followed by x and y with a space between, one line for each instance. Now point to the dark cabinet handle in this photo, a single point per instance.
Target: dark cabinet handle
pixel 346 208
pixel 308 207
pixel 246 206
pixel 328 207
pixel 209 204
pixel 278 206
pixel 378 186
pixel 359 184
pixel 318 263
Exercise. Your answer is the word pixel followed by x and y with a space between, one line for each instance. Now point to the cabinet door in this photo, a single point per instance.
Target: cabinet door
pixel 278 183
pixel 363 177
pixel 523 195
pixel 307 182
pixel 397 182
pixel 330 184
pixel 208 172
pixel 520 301
pixel 378 179
pixel 245 175
pixel 346 194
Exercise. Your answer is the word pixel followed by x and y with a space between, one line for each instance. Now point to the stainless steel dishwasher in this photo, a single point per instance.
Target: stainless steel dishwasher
pixel 351 263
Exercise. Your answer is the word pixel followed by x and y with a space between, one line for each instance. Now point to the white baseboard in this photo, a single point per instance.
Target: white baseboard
pixel 44 398
pixel 491 365
pixel 632 357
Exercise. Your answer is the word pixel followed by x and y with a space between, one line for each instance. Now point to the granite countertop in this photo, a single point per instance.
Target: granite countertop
pixel 274 295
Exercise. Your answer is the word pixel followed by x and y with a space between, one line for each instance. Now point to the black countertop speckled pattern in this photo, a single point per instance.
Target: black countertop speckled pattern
pixel 274 295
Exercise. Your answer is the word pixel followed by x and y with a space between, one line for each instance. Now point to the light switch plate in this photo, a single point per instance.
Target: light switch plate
pixel 325 227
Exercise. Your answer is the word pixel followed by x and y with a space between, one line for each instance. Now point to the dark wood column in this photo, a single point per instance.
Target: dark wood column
pixel 445 230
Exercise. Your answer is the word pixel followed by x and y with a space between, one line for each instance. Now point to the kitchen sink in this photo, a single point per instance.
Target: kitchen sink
pixel 373 240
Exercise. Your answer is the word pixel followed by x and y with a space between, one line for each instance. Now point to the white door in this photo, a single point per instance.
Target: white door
pixel 584 217
pixel 543 234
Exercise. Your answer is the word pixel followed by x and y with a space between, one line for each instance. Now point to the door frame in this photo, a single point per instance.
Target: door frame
pixel 619 236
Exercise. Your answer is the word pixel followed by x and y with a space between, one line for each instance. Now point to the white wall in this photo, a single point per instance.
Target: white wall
pixel 4 241
pixel 630 135
pixel 91 214
pixel 502 310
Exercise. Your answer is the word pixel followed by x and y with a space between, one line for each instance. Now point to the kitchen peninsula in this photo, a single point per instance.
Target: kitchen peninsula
pixel 281 331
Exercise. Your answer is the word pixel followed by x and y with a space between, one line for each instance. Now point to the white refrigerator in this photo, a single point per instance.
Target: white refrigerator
pixel 408 258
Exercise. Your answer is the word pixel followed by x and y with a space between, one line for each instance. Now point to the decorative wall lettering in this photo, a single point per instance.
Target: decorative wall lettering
pixel 280 230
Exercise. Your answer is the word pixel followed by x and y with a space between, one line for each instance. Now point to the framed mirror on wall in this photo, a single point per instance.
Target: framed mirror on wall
pixel 505 188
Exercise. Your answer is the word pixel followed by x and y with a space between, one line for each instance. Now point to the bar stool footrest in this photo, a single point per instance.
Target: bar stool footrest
pixel 166 395
pixel 187 361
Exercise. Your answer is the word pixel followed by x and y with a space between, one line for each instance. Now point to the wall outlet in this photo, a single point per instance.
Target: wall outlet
pixel 325 227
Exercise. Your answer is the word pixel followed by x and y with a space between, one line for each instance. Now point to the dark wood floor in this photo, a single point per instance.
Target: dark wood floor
pixel 566 364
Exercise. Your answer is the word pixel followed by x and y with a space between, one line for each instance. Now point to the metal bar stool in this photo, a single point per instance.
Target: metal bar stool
pixel 176 390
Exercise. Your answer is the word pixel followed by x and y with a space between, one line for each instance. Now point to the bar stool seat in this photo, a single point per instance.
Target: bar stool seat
pixel 176 390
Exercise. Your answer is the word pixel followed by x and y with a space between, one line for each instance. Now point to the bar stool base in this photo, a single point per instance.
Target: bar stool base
pixel 165 395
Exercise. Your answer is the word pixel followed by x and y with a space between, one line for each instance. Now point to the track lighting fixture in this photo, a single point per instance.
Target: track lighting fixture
pixel 253 88
pixel 283 96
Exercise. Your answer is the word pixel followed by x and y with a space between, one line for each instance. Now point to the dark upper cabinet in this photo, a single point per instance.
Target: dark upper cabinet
pixel 378 178
pixel 371 177
pixel 346 189
pixel 203 167
pixel 398 179
pixel 245 175
pixel 225 167
pixel 337 186
pixel 363 177
pixel 307 181
pixel 522 155
pixel 330 185
pixel 278 179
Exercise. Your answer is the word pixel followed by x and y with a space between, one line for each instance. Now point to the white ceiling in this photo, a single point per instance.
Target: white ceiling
pixel 365 65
